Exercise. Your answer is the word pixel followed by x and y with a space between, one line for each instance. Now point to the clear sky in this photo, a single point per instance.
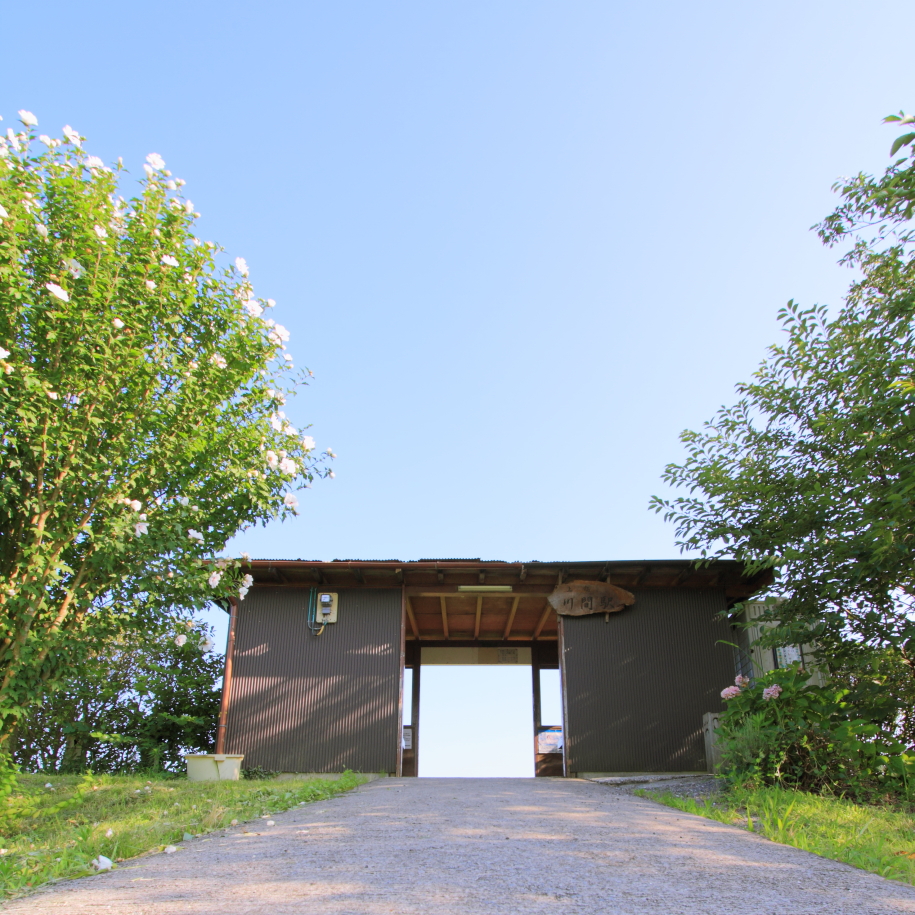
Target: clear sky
pixel 522 245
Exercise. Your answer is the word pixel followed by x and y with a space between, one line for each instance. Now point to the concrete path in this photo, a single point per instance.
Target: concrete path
pixel 467 846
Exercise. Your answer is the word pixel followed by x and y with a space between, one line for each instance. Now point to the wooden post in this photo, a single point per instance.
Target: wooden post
pixel 415 722
pixel 535 674
pixel 226 679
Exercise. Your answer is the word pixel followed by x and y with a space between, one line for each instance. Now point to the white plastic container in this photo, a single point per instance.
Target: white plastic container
pixel 213 767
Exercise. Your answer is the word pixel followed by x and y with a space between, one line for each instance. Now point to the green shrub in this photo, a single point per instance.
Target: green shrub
pixel 780 730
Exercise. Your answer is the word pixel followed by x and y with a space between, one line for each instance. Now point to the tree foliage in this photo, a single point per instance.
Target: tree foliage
pixel 812 472
pixel 141 423
pixel 139 703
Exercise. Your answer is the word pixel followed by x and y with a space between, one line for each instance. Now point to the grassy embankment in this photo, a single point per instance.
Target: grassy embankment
pixel 125 816
pixel 877 839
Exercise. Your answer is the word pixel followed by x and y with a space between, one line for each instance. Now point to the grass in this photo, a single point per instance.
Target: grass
pixel 876 839
pixel 124 816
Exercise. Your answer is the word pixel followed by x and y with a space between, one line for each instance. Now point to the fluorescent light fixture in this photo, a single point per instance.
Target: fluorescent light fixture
pixel 485 589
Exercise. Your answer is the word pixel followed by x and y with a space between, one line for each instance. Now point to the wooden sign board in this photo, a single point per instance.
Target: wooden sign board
pixel 581 598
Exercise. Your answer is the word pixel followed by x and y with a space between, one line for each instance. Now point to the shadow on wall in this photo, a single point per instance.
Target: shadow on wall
pixel 306 703
pixel 639 683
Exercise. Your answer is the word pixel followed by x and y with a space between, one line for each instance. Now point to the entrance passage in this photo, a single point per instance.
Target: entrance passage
pixel 476 721
pixel 487 711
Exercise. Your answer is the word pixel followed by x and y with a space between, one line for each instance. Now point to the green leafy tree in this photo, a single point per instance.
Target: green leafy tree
pixel 141 394
pixel 811 474
pixel 141 702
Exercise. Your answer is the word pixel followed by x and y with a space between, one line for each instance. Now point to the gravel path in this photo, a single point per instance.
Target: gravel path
pixel 468 846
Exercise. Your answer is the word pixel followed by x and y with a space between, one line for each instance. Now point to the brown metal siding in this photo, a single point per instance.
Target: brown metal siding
pixel 636 686
pixel 302 703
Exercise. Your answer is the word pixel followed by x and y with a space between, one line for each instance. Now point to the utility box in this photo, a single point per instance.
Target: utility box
pixel 327 607
pixel 213 767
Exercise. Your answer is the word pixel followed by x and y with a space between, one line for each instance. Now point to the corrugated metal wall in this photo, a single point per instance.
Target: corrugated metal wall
pixel 301 703
pixel 636 686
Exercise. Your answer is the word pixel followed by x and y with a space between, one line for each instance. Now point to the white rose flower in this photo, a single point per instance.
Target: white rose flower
pixel 242 592
pixel 156 161
pixel 72 136
pixel 46 140
pixel 150 284
pixel 330 453
pixel 57 292
pixel 218 361
pixel 169 261
pixel 241 265
pixel 207 644
pixel 308 443
pixel 184 500
pixel 75 268
pixel 288 467
pixel 4 353
pixel 94 162
pixel 188 207
pixel 28 118
pixel 42 230
pixel 100 231
pixel 140 528
pixel 253 308
pixel 195 535
pixel 180 639
pixel 135 504
pixel 247 581
pixel 290 501
pixel 214 579
pixel 118 323
pixel 271 459
pixel 331 474
pixel 270 303
pixel 53 395
pixel 3 213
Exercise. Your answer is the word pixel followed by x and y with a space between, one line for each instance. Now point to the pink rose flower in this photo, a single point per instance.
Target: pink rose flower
pixel 730 692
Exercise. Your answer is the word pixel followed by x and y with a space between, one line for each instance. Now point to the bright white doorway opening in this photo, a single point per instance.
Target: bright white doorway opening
pixel 477 721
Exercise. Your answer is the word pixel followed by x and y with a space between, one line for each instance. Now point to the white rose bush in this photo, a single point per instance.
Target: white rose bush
pixel 141 395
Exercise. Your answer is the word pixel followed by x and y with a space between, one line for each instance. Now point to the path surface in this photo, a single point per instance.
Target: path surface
pixel 468 846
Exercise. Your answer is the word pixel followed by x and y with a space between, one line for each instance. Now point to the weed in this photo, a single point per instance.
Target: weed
pixel 876 839
pixel 53 833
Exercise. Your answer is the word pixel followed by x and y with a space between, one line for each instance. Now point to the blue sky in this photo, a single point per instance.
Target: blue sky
pixel 521 245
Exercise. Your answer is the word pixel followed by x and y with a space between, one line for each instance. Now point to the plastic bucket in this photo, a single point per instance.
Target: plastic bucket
pixel 213 767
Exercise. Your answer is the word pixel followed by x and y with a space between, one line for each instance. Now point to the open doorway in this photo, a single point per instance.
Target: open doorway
pixel 487 711
pixel 476 721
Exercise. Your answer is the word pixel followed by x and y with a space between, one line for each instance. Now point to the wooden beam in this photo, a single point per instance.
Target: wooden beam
pixel 412 618
pixel 452 591
pixel 476 625
pixel 547 610
pixel 511 616
pixel 445 616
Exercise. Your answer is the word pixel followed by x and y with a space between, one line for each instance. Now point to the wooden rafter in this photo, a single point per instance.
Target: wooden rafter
pixel 445 616
pixel 412 618
pixel 476 625
pixel 547 610
pixel 511 616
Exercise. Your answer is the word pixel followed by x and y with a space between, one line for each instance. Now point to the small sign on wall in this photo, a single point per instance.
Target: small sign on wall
pixel 582 598
pixel 408 738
